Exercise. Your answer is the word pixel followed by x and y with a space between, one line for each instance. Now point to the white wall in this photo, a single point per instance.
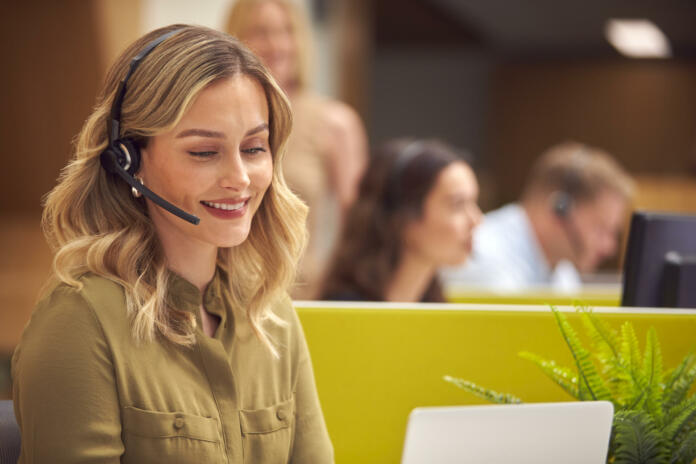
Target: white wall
pixel 212 13
pixel 158 13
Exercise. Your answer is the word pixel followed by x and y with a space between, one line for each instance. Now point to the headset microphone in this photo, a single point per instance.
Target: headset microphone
pixel 562 204
pixel 122 155
pixel 564 199
pixel 110 163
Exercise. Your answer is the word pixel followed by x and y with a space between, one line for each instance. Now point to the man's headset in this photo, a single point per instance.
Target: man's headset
pixel 122 155
pixel 563 200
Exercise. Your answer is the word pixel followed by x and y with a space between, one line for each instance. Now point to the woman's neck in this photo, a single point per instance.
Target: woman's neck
pixel 193 261
pixel 198 271
pixel 411 279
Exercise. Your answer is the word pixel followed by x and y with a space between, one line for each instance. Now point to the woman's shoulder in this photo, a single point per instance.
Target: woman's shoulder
pixel 284 309
pixel 69 322
pixel 93 299
pixel 340 116
pixel 336 114
pixel 95 290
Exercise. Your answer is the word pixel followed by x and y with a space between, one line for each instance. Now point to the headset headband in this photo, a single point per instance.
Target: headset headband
pixel 115 121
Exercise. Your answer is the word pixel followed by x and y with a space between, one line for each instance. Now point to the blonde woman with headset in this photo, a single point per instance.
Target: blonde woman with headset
pixel 166 334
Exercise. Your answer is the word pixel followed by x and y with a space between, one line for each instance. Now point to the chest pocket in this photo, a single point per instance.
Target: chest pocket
pixel 268 433
pixel 152 436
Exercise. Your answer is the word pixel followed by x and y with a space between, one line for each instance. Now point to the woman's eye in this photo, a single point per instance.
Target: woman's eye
pixel 202 154
pixel 254 150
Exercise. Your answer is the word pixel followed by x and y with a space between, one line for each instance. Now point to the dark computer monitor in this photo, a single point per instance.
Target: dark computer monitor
pixel 660 264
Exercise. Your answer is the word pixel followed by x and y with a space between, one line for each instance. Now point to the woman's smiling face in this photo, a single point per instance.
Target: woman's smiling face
pixel 216 163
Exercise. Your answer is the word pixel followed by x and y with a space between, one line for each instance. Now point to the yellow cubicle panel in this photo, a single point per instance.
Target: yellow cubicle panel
pixel 375 362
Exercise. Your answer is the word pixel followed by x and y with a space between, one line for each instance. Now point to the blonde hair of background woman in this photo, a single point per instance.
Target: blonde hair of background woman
pixel 237 25
pixel 95 225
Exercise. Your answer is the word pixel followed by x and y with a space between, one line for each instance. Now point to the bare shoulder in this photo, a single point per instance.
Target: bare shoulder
pixel 340 116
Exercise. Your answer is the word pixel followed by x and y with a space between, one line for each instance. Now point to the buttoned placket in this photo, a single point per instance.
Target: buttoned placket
pixel 215 358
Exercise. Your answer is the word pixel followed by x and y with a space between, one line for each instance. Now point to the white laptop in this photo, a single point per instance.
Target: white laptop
pixel 534 433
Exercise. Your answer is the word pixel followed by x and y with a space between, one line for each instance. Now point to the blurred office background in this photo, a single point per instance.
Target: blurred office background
pixel 500 79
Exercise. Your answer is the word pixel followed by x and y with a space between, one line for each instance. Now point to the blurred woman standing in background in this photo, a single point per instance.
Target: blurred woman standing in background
pixel 327 150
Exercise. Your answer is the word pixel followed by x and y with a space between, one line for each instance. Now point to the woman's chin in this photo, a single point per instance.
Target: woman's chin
pixel 232 240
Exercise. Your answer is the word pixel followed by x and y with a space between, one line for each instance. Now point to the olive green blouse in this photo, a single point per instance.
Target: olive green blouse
pixel 84 391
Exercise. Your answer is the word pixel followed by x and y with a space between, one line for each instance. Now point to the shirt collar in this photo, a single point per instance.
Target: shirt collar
pixel 185 296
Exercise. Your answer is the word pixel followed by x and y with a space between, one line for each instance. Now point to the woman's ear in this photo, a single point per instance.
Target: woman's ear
pixel 142 168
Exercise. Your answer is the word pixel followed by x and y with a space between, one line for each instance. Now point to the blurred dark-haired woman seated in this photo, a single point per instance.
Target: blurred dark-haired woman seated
pixel 416 211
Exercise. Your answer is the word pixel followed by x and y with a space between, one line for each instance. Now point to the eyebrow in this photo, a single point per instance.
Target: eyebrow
pixel 200 133
pixel 260 128
pixel 218 135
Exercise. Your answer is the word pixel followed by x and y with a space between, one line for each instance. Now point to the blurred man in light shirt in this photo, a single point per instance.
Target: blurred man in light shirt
pixel 566 223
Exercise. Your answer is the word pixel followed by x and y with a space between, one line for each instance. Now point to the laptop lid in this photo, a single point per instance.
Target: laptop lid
pixel 535 433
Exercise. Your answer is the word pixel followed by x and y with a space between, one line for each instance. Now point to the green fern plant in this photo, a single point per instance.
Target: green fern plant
pixel 655 418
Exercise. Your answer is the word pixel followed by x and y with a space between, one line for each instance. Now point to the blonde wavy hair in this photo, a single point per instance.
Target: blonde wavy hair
pixel 95 225
pixel 238 21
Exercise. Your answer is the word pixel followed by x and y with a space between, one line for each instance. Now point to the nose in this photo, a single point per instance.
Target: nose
pixel 234 174
pixel 280 40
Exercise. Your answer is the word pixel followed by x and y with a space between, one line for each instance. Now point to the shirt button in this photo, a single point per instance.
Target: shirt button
pixel 179 422
pixel 281 414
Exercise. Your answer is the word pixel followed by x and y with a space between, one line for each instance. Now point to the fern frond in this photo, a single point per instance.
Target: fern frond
pixel 605 341
pixel 674 374
pixel 484 393
pixel 678 418
pixel 563 376
pixel 637 439
pixel 637 401
pixel 652 373
pixel 635 383
pixel 630 352
pixel 590 384
pixel 602 335
pixel 680 386
pixel 685 452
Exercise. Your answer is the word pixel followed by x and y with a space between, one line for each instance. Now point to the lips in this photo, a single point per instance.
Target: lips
pixel 227 209
pixel 225 206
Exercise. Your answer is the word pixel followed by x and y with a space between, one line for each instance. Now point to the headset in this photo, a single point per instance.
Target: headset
pixel 562 204
pixel 563 200
pixel 122 156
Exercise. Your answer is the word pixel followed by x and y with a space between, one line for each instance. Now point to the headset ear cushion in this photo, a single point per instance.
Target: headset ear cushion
pixel 561 204
pixel 109 159
pixel 123 153
pixel 133 154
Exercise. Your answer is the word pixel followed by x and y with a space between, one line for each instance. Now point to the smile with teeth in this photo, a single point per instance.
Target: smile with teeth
pixel 225 206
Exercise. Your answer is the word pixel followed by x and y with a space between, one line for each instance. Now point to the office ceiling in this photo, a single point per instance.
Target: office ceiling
pixel 534 27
